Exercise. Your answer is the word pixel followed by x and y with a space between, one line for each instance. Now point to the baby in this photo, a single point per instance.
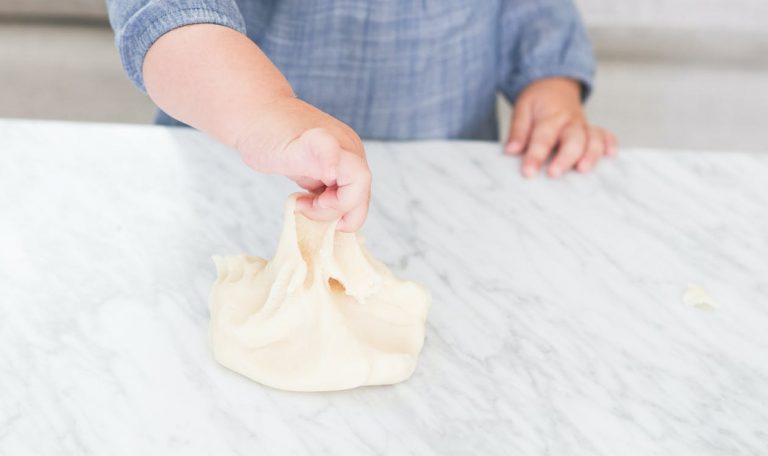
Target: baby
pixel 294 84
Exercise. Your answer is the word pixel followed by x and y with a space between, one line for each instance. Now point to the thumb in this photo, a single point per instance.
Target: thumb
pixel 346 199
pixel 519 129
pixel 314 155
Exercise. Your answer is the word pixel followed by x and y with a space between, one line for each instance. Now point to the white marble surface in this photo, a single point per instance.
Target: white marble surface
pixel 557 327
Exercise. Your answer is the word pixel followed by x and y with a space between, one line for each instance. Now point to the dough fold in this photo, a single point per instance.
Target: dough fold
pixel 322 315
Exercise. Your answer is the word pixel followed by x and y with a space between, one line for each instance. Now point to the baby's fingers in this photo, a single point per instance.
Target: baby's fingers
pixel 319 205
pixel 354 191
pixel 346 199
pixel 611 144
pixel 519 129
pixel 572 143
pixel 313 156
pixel 353 220
pixel 308 183
pixel 596 146
pixel 542 142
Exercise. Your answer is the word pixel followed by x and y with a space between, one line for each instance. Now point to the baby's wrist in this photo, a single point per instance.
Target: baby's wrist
pixel 261 128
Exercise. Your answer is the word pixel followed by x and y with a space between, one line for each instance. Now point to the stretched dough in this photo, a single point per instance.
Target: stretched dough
pixel 323 315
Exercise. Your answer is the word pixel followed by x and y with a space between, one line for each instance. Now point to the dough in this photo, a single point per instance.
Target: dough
pixel 323 315
pixel 697 296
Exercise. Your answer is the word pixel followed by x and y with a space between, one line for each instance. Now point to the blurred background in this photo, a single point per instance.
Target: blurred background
pixel 672 73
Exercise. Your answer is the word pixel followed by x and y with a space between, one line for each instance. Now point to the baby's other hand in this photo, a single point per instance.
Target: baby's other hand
pixel 318 152
pixel 548 115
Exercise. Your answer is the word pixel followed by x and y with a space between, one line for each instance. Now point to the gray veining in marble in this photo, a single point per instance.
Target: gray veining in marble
pixel 557 326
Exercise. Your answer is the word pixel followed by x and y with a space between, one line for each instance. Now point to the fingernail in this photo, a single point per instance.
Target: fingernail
pixel 584 167
pixel 555 171
pixel 514 147
pixel 529 170
pixel 301 203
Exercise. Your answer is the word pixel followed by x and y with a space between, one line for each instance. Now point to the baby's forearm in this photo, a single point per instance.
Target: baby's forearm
pixel 212 78
pixel 218 81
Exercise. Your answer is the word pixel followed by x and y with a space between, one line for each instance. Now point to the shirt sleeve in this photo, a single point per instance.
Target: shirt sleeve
pixel 540 39
pixel 139 23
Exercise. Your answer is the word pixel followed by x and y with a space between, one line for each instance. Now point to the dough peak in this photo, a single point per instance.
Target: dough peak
pixel 322 315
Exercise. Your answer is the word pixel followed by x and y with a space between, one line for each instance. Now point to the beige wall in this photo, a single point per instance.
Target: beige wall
pixel 732 14
pixel 88 9
pixel 675 73
pixel 691 14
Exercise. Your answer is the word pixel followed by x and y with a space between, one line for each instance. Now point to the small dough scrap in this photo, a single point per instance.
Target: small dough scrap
pixel 323 315
pixel 697 296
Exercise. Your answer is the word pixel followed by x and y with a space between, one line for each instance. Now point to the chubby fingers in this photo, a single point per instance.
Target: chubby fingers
pixel 544 136
pixel 611 144
pixel 579 146
pixel 596 148
pixel 582 147
pixel 519 129
pixel 307 183
pixel 354 191
pixel 573 140
pixel 346 199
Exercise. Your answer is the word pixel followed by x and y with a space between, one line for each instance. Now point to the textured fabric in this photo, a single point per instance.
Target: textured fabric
pixel 390 69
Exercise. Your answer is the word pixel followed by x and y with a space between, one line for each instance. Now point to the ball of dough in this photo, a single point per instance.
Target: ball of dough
pixel 322 315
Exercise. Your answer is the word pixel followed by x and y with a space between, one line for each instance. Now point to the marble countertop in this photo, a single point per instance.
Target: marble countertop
pixel 557 326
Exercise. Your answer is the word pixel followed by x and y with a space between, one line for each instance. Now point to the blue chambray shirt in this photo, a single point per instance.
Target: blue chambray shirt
pixel 391 69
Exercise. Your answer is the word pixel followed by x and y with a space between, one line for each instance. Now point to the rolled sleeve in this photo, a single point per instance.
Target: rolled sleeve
pixel 139 23
pixel 541 39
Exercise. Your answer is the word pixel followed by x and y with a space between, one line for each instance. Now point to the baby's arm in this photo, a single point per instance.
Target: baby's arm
pixel 546 72
pixel 214 78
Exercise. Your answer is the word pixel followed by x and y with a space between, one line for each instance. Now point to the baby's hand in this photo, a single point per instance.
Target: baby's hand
pixel 547 114
pixel 320 153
